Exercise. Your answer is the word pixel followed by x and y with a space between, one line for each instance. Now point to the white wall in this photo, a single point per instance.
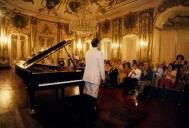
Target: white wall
pixel 172 43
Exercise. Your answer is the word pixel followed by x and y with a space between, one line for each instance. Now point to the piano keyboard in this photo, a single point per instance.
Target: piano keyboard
pixel 59 83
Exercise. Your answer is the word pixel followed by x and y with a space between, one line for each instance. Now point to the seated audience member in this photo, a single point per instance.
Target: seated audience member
pixel 147 73
pixel 178 64
pixel 146 77
pixel 121 75
pixel 135 73
pixel 82 63
pixel 130 82
pixel 113 75
pixel 169 77
pixel 124 72
pixel 141 65
pixel 126 68
pixel 164 65
pixel 134 62
pixel 78 63
pixel 107 67
pixel 61 63
pixel 158 73
pixel 124 62
pixel 184 72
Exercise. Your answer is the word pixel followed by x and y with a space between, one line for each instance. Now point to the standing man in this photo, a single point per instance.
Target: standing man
pixel 94 72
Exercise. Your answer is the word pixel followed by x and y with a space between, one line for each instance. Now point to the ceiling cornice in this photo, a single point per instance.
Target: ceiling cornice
pixel 14 8
pixel 132 7
pixel 116 11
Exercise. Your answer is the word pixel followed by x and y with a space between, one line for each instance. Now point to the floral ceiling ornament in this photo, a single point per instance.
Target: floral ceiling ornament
pixel 50 5
pixel 74 5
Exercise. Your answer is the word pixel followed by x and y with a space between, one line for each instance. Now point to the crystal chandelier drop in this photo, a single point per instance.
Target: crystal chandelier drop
pixel 84 23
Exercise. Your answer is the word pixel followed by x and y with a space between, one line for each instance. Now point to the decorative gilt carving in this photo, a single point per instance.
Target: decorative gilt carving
pixel 130 20
pixel 177 22
pixel 65 28
pixel 171 3
pixel 33 20
pixel 107 33
pixel 105 26
pixel 20 21
pixel 46 30
pixel 145 28
pixel 74 6
pixel 29 1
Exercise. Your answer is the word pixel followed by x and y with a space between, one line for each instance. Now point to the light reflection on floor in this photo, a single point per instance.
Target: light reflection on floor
pixel 6 99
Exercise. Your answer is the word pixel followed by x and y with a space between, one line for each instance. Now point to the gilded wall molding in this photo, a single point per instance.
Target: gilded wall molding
pixel 166 4
pixel 177 22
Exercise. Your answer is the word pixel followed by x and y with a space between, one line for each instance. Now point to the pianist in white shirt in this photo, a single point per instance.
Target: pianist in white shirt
pixel 94 72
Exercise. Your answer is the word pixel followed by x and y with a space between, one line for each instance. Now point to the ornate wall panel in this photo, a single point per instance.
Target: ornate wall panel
pixel 65 34
pixel 105 30
pixel 130 24
pixel 116 38
pixel 4 45
pixel 146 34
pixel 46 37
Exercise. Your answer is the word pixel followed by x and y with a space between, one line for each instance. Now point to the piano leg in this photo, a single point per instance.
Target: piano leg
pixel 63 92
pixel 81 87
pixel 32 102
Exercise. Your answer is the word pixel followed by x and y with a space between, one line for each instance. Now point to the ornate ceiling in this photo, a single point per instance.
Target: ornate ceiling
pixel 64 10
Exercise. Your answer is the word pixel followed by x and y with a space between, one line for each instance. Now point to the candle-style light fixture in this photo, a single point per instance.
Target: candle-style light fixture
pixel 143 44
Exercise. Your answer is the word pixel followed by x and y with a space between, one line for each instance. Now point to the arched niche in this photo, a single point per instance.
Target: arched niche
pixel 20 48
pixel 167 43
pixel 130 47
pixel 106 48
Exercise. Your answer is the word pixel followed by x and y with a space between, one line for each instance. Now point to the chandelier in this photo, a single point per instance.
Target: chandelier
pixel 84 22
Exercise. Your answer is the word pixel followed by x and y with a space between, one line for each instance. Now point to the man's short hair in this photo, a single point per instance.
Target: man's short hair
pixel 95 42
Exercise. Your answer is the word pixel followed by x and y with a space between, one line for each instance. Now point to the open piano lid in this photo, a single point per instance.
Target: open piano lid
pixel 42 55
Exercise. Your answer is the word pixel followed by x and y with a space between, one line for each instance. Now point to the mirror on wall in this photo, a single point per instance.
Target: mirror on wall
pixel 129 48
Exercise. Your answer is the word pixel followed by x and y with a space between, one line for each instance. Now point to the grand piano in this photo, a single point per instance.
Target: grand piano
pixel 40 77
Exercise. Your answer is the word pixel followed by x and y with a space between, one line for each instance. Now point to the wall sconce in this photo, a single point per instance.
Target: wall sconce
pixel 143 43
pixel 79 46
pixel 42 49
pixel 115 45
pixel 3 39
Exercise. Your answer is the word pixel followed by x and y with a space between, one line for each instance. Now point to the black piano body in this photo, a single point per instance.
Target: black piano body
pixel 39 76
